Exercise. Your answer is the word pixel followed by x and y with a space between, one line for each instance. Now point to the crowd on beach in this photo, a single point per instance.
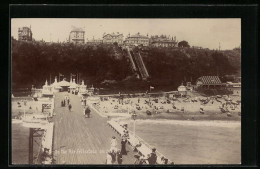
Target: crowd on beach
pixel 156 105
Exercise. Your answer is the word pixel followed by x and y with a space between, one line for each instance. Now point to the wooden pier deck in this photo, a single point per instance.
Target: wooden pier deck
pixel 80 140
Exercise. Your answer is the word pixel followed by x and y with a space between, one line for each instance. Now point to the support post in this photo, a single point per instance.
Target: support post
pixel 134 132
pixel 31 146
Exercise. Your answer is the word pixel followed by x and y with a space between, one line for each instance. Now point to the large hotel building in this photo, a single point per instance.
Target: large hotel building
pixel 77 36
pixel 25 34
pixel 110 38
pixel 137 39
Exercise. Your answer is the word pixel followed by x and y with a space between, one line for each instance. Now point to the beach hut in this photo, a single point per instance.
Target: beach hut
pixel 208 82
pixel 182 90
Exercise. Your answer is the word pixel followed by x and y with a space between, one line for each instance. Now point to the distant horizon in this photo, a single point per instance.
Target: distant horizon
pixel 205 33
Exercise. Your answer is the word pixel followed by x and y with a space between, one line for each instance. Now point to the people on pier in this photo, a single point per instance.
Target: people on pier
pixel 164 160
pixel 70 107
pixel 123 146
pixel 113 156
pixel 87 112
pixel 119 157
pixel 152 157
pixel 82 102
pixel 113 144
pixel 45 156
pixel 109 158
pixel 138 161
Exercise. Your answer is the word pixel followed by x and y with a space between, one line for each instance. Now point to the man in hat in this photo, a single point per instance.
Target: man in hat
pixel 153 157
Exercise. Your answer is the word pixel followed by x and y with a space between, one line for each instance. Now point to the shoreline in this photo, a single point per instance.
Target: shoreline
pixel 211 123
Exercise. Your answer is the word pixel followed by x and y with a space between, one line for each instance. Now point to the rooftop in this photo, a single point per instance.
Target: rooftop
pixel 209 80
pixel 113 34
pixel 138 36
pixel 77 30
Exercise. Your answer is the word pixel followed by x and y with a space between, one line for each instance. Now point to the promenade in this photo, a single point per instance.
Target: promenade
pixel 80 140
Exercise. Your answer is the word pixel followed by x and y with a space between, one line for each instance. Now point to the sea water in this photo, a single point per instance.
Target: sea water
pixel 20 144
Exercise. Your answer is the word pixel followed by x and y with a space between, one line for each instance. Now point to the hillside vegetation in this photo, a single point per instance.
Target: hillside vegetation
pixel 33 62
pixel 187 64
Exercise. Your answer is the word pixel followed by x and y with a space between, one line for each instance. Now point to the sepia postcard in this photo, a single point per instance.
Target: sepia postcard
pixel 125 91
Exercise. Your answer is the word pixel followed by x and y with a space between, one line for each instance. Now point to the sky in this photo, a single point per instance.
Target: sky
pixel 207 33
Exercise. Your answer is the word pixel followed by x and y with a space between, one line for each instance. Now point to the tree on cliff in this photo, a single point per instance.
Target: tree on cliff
pixel 183 44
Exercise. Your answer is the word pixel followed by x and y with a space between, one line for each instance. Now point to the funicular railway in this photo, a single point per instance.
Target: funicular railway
pixel 138 63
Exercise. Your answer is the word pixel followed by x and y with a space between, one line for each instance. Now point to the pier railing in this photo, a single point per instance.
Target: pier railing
pixel 144 148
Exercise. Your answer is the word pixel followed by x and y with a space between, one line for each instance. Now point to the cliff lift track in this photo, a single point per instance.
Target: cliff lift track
pixel 138 64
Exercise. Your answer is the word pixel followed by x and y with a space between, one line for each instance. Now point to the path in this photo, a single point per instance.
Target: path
pixel 79 140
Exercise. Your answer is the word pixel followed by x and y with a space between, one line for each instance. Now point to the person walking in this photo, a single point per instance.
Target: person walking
pixel 70 107
pixel 87 112
pixel 123 148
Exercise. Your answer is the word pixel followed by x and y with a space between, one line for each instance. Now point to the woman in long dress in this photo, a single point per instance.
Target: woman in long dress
pixel 123 144
pixel 113 144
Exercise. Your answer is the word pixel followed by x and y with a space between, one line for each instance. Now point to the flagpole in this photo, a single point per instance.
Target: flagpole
pixel 79 78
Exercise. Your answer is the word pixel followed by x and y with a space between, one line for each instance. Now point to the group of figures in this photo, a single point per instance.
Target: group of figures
pixel 115 155
pixel 66 101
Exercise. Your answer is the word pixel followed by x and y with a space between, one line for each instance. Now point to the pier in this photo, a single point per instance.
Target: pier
pixel 80 140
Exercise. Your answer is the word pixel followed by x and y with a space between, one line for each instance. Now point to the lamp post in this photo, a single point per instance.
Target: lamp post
pixel 134 115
